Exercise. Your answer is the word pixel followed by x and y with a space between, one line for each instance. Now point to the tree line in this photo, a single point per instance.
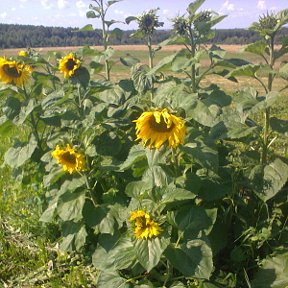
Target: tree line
pixel 23 36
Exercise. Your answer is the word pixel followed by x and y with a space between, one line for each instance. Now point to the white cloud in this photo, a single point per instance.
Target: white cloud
pixel 81 4
pixel 3 15
pixel 261 5
pixel 46 4
pixel 23 1
pixel 118 12
pixel 61 4
pixel 165 11
pixel 227 6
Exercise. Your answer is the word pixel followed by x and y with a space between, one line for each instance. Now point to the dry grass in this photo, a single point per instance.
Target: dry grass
pixel 170 48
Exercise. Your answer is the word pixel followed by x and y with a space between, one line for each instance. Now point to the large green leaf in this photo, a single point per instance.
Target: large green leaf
pixel 70 205
pixel 258 48
pixel 273 272
pixel 194 6
pixel 202 113
pixel 120 256
pixel 194 221
pixel 17 155
pixel 129 60
pixel 25 111
pixel 202 154
pixel 149 252
pixel 246 70
pixel 112 279
pixel 136 154
pixel 74 236
pixel 191 259
pixel 279 125
pixel 275 177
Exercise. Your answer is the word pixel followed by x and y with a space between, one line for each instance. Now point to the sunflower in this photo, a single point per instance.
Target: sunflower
pixel 13 72
pixel 68 65
pixel 156 127
pixel 22 53
pixel 69 159
pixel 144 226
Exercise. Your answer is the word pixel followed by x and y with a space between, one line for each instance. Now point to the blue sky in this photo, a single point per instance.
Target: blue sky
pixel 72 13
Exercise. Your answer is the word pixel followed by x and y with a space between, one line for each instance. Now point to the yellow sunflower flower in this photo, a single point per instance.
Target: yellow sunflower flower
pixel 69 159
pixel 154 128
pixel 22 53
pixel 68 65
pixel 144 226
pixel 13 72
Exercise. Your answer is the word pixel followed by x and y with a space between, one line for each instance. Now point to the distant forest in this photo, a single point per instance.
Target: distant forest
pixel 22 36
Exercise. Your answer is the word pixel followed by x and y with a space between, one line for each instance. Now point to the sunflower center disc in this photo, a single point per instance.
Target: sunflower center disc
pixel 11 71
pixel 160 127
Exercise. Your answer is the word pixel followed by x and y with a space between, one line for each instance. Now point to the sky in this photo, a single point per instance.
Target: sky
pixel 72 13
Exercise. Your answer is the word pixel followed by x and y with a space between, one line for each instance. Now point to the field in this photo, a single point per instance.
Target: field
pixel 28 249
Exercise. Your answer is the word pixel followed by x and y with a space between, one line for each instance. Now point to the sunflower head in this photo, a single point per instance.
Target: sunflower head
pixel 144 226
pixel 12 72
pixel 155 128
pixel 148 22
pixel 22 53
pixel 71 160
pixel 180 25
pixel 69 64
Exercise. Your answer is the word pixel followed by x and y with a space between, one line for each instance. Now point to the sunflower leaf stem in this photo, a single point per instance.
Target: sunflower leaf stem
pixel 169 273
pixel 33 122
pixel 180 236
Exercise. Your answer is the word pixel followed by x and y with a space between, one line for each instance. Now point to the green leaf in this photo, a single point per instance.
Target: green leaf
pixel 129 60
pixel 273 272
pixel 74 236
pixel 116 33
pixel 89 14
pixel 202 154
pixel 155 176
pixel 6 126
pixel 113 2
pixel 191 259
pixel 25 111
pixel 231 130
pixel 130 18
pixel 17 155
pixel 194 6
pixel 258 48
pixel 246 70
pixel 12 108
pixel 202 113
pixel 279 125
pixel 112 279
pixel 87 27
pixel 283 71
pixel 121 256
pixel 48 214
pixel 172 194
pixel 81 76
pixel 275 177
pixel 194 221
pixel 70 205
pixel 108 143
pixel 149 252
pixel 96 66
pixel 136 154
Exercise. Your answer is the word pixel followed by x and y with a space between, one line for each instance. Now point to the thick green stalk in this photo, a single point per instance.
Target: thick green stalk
pixel 193 69
pixel 267 110
pixel 104 37
pixel 149 44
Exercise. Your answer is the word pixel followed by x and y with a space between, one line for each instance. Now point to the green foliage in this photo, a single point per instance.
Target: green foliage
pixel 209 212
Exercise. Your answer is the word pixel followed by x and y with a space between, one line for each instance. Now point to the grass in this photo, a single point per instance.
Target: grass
pixel 29 255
